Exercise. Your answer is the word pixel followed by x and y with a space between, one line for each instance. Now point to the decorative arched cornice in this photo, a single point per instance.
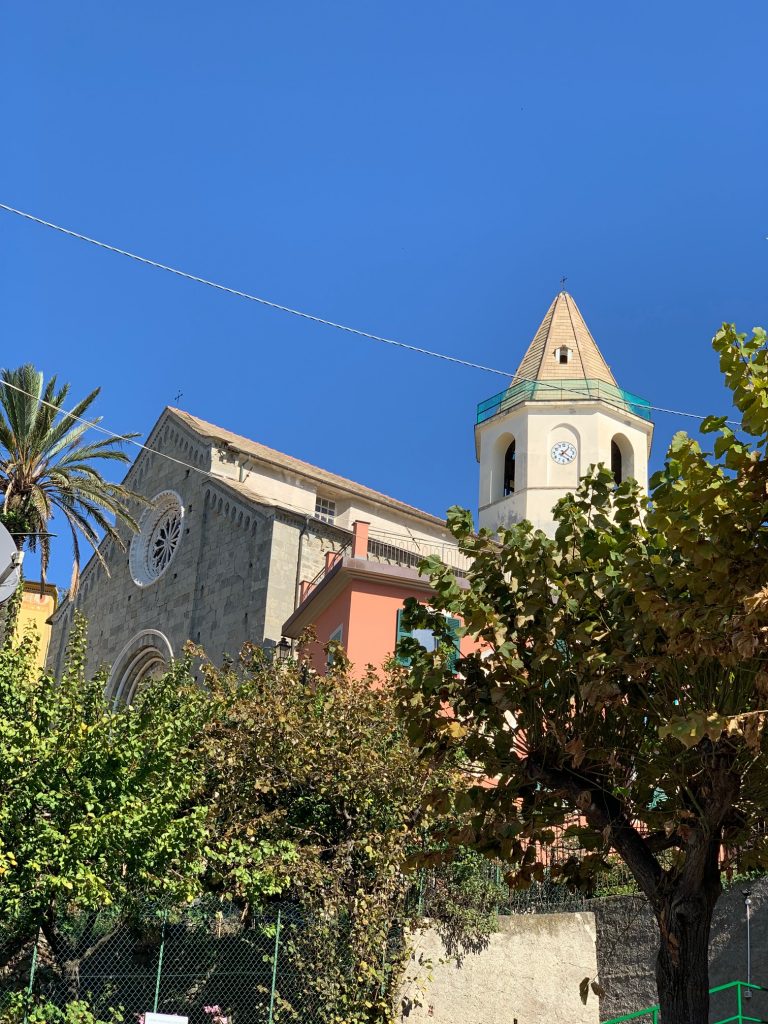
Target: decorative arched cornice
pixel 147 653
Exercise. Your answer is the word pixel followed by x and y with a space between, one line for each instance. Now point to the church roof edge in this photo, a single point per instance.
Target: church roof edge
pixel 262 453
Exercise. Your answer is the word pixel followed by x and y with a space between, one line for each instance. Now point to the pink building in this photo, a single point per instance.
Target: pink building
pixel 357 599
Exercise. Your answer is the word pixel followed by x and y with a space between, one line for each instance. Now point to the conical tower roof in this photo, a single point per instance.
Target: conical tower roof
pixel 564 326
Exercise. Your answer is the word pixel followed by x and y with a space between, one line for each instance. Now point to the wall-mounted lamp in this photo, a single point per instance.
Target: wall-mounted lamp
pixel 283 648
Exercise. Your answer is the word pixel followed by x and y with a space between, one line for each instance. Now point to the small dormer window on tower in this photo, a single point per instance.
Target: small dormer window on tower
pixel 563 355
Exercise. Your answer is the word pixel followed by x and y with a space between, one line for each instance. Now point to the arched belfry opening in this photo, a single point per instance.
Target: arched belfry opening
pixel 617 465
pixel 509 470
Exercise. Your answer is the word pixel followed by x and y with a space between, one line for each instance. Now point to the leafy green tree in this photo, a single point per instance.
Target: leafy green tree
pixel 262 785
pixel 99 808
pixel 321 798
pixel 623 693
pixel 48 467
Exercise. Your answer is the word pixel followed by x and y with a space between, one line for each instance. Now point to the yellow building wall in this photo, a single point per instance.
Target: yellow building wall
pixel 36 608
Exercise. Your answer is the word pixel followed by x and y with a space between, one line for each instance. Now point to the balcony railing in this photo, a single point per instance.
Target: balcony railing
pixel 396 549
pixel 332 558
pixel 563 390
pixel 389 549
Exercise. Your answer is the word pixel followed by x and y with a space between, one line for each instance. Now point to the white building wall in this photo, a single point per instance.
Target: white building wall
pixel 539 481
pixel 278 486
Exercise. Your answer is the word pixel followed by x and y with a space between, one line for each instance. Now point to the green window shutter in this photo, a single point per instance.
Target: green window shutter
pixel 453 625
pixel 401 632
pixel 659 797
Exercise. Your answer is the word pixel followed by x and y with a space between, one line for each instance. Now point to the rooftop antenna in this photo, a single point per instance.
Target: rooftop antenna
pixel 178 395
pixel 562 283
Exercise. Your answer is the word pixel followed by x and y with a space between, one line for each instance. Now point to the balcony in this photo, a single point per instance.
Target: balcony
pixel 396 549
pixel 579 390
pixel 387 549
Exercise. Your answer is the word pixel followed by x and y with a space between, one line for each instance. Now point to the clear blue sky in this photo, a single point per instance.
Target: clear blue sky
pixel 426 170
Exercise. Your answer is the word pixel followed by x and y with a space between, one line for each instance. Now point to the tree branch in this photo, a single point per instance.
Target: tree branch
pixel 657 842
pixel 604 812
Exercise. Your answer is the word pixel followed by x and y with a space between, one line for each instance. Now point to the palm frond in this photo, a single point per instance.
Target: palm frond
pixel 47 466
pixel 21 405
pixel 69 419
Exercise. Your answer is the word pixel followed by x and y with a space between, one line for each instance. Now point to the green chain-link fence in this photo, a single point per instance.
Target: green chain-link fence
pixel 273 970
pixel 278 968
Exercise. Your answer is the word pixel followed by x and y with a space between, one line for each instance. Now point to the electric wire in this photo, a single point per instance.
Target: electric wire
pixel 247 295
pixel 513 378
pixel 126 439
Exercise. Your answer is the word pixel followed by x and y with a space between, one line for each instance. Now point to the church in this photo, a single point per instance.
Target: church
pixel 241 542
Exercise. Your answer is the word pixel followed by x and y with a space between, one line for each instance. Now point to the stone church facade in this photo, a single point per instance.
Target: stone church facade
pixel 232 529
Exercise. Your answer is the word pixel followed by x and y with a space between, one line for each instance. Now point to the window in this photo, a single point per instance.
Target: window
pixel 335 638
pixel 325 510
pixel 160 529
pixel 563 355
pixel 509 470
pixel 427 639
pixel 616 466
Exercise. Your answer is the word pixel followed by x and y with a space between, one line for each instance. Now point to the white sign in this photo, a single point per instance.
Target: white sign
pixel 164 1018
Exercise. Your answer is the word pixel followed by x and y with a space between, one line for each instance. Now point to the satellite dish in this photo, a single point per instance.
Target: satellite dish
pixel 10 565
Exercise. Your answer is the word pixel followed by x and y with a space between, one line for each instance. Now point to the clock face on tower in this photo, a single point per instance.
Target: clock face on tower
pixel 563 452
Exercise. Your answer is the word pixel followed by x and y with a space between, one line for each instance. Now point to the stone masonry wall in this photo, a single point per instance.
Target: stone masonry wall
pixel 232 579
pixel 627 939
pixel 116 609
pixel 289 533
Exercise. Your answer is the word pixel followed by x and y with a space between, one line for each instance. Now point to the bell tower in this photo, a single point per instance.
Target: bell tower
pixel 562 412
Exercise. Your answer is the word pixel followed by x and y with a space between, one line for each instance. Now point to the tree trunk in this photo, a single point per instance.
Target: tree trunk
pixel 65 957
pixel 682 963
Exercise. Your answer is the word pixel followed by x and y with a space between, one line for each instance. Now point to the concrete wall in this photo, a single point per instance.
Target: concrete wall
pixel 529 974
pixel 533 965
pixel 627 939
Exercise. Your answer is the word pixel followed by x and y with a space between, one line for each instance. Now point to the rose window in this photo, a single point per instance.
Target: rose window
pixel 155 545
pixel 165 537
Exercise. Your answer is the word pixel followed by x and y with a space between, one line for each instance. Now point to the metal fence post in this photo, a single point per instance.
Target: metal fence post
pixel 32 969
pixel 274 968
pixel 160 963
pixel 383 985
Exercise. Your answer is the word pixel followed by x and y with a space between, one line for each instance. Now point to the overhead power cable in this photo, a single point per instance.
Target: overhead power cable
pixel 513 378
pixel 246 295
pixel 125 439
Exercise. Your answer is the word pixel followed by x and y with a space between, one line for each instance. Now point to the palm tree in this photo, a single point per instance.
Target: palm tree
pixel 46 467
